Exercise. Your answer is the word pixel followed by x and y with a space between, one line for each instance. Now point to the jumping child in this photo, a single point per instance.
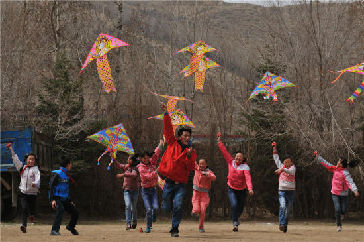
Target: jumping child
pixel 131 192
pixel 29 185
pixel 341 182
pixel 201 186
pixel 287 186
pixel 149 179
pixel 238 180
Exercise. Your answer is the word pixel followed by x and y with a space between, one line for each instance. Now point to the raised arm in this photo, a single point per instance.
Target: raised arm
pixel 168 128
pixel 157 151
pixel 276 156
pixel 323 162
pixel 223 150
pixel 18 164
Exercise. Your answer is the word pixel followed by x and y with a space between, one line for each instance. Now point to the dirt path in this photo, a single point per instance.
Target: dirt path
pixel 215 231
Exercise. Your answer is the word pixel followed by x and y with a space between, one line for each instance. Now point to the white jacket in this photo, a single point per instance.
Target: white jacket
pixel 30 176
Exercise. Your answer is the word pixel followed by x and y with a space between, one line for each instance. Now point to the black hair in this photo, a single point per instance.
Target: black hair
pixel 146 153
pixel 183 128
pixel 27 155
pixel 351 164
pixel 135 159
pixel 64 161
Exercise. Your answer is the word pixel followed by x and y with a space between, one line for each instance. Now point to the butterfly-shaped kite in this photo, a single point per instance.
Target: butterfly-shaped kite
pixel 269 84
pixel 104 43
pixel 359 68
pixel 115 139
pixel 199 63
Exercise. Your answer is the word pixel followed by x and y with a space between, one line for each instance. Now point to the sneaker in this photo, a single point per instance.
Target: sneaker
pixel 174 232
pixel 128 227
pixel 339 228
pixel 235 229
pixel 154 217
pixel 281 227
pixel 53 232
pixel 133 226
pixel 147 230
pixel 31 218
pixel 202 230
pixel 72 230
pixel 23 229
pixel 285 229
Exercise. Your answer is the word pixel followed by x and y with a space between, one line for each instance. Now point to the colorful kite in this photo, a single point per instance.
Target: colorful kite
pixel 115 139
pixel 359 68
pixel 269 84
pixel 177 118
pixel 356 93
pixel 172 101
pixel 104 43
pixel 198 63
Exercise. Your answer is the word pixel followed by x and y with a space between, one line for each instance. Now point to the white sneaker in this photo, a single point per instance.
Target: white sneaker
pixel 339 229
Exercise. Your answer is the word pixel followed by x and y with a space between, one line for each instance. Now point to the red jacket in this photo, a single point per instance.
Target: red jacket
pixel 148 175
pixel 239 176
pixel 175 164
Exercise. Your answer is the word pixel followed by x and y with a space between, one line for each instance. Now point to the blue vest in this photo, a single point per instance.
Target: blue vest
pixel 62 188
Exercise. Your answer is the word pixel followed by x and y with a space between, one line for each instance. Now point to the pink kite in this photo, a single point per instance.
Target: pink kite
pixel 104 43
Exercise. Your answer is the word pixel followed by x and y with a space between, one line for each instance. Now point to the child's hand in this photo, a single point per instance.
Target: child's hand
pixel 315 153
pixel 278 171
pixel 218 135
pixel 251 192
pixel 9 146
pixel 54 204
pixel 356 194
pixel 274 144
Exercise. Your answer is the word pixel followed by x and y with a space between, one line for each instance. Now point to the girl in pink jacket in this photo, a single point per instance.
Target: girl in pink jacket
pixel 149 179
pixel 201 186
pixel 238 180
pixel 341 183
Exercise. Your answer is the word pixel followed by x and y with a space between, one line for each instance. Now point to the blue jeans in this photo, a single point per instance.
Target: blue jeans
pixel 340 204
pixel 150 199
pixel 286 199
pixel 131 199
pixel 173 195
pixel 237 200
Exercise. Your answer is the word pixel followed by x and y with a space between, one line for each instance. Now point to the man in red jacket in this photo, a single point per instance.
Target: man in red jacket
pixel 177 162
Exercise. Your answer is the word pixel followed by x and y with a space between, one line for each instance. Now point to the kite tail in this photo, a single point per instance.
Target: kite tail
pixel 337 78
pixel 98 160
pixel 104 70
pixel 109 166
pixel 356 93
pixel 199 80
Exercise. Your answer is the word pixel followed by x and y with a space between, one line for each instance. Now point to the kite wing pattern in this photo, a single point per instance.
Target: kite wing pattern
pixel 177 117
pixel 359 68
pixel 269 84
pixel 115 139
pixel 103 44
pixel 172 101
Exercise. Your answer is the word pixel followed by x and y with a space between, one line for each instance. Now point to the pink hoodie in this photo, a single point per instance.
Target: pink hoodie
pixel 239 176
pixel 148 174
pixel 341 179
pixel 202 179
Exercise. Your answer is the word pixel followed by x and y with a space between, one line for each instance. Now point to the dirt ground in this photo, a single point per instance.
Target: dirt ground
pixel 215 231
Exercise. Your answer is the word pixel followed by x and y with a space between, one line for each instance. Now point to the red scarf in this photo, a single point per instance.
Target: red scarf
pixel 24 168
pixel 70 177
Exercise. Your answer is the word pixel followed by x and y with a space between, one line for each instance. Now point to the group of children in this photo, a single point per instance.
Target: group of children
pixel 178 160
